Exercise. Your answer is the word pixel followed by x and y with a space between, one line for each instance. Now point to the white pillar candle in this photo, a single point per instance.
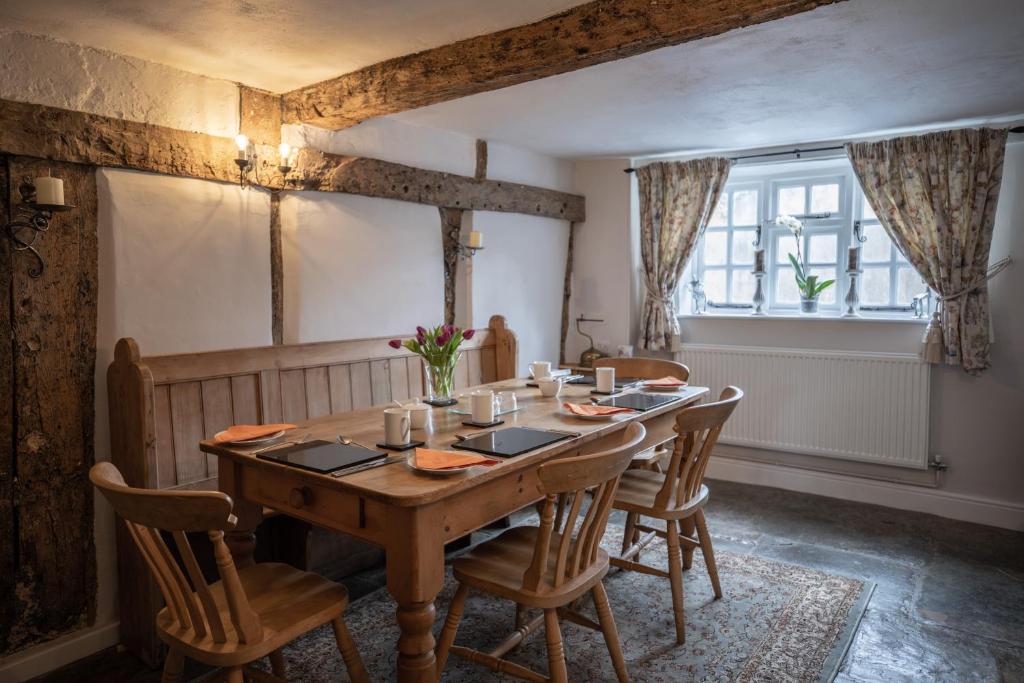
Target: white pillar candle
pixel 476 239
pixel 853 259
pixel 759 261
pixel 49 191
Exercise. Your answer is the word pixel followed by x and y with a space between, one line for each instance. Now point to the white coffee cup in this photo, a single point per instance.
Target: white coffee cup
pixel 540 369
pixel 481 403
pixel 605 380
pixel 419 413
pixel 550 386
pixel 396 426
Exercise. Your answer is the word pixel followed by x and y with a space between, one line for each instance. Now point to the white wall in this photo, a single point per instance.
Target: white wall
pixel 359 267
pixel 973 419
pixel 604 258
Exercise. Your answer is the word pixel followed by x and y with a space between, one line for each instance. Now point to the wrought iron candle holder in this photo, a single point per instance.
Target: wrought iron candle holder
pixel 31 220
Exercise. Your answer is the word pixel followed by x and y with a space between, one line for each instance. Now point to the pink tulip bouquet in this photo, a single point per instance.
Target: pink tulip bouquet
pixel 439 349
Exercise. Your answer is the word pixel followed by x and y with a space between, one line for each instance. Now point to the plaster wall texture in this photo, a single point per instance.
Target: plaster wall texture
pixel 45 71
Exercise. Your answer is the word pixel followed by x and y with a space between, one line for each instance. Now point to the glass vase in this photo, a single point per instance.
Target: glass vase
pixel 440 378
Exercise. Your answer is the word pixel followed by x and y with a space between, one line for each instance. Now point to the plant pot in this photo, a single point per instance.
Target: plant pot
pixel 809 306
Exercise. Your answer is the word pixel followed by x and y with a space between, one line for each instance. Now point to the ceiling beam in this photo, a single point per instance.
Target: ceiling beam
pixel 35 130
pixel 589 34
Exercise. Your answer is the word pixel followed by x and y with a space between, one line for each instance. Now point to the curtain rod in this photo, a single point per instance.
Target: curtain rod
pixel 796 151
pixel 1016 129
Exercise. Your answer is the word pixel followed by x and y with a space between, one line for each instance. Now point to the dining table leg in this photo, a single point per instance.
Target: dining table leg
pixel 415 575
pixel 241 540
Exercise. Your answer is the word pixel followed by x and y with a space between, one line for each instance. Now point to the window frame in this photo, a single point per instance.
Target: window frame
pixel 769 180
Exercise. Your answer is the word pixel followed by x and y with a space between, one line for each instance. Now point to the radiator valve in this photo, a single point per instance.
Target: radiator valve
pixel 937 463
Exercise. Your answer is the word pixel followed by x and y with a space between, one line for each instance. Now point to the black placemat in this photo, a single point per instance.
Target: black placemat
pixel 641 402
pixel 401 447
pixel 321 456
pixel 470 423
pixel 510 442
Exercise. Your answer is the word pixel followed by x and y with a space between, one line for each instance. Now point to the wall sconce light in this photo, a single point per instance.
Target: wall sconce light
pixel 41 198
pixel 247 159
pixel 474 243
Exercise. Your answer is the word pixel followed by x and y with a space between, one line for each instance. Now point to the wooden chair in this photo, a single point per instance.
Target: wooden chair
pixel 550 566
pixel 250 613
pixel 647 368
pixel 676 496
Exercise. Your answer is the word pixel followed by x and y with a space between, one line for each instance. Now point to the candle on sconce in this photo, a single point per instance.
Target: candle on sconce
pixel 476 240
pixel 759 261
pixel 242 142
pixel 853 259
pixel 49 191
pixel 286 151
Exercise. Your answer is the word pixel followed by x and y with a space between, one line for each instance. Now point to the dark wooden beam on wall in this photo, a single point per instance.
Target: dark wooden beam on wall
pixel 63 135
pixel 567 293
pixel 8 527
pixel 54 342
pixel 589 34
pixel 451 227
pixel 481 160
pixel 316 170
pixel 276 271
pixel 259 115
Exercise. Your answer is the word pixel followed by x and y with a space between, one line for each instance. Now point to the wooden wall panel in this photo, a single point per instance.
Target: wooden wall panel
pixel 245 399
pixel 293 395
pixel 318 392
pixel 362 397
pixel 166 471
pixel 53 326
pixel 340 388
pixel 187 431
pixel 414 366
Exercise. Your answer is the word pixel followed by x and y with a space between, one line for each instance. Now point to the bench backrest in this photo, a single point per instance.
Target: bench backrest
pixel 161 407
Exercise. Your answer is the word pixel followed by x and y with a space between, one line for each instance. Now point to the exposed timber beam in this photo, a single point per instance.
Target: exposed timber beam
pixel 589 34
pixel 76 137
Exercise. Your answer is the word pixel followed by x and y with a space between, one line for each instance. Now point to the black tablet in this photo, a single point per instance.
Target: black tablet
pixel 508 443
pixel 322 456
pixel 620 382
pixel 639 402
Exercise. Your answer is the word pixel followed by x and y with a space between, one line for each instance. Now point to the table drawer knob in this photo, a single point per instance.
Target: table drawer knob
pixel 299 497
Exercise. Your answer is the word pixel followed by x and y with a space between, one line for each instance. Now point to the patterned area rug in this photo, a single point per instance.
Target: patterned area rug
pixel 777 622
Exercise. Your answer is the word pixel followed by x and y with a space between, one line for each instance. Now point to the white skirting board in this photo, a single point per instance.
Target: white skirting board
pixel 997 513
pixel 55 654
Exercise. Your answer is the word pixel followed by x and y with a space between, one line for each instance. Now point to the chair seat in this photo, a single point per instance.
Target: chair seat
pixel 289 603
pixel 497 567
pixel 638 491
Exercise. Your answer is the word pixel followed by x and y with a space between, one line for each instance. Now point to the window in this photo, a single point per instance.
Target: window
pixel 827 199
pixel 727 253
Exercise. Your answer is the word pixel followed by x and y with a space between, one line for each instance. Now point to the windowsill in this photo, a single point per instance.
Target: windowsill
pixel 827 316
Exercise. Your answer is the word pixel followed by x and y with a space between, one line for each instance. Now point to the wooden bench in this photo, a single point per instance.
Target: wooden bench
pixel 161 407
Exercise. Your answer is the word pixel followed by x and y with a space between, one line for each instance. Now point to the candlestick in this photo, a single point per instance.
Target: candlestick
pixel 759 288
pixel 476 240
pixel 852 295
pixel 49 191
pixel 853 259
pixel 759 261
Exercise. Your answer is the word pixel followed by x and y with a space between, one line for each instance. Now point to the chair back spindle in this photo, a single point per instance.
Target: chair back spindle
pixel 699 428
pixel 190 606
pixel 565 483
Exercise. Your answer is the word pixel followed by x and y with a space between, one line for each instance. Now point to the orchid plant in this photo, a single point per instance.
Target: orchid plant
pixel 439 348
pixel 808 285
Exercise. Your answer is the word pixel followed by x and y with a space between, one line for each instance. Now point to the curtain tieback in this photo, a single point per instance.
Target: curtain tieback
pixel 664 300
pixel 992 271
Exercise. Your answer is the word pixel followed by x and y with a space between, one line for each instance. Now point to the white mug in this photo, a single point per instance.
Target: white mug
pixel 396 426
pixel 550 386
pixel 419 413
pixel 481 404
pixel 605 380
pixel 540 369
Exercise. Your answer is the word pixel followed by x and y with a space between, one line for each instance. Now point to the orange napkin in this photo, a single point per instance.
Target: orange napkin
pixel 593 410
pixel 246 432
pixel 429 459
pixel 665 382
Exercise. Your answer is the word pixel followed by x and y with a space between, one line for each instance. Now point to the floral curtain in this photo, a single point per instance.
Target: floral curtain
pixel 676 201
pixel 936 196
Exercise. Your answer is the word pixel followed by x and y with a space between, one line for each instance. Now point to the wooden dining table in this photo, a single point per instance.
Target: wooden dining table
pixel 410 514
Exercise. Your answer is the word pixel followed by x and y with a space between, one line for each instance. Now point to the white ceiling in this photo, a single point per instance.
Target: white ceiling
pixel 844 70
pixel 277 45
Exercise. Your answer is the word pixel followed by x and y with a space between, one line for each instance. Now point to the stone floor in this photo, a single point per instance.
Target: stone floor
pixel 948 606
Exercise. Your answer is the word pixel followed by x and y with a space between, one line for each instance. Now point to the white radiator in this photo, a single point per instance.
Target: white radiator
pixel 871 407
